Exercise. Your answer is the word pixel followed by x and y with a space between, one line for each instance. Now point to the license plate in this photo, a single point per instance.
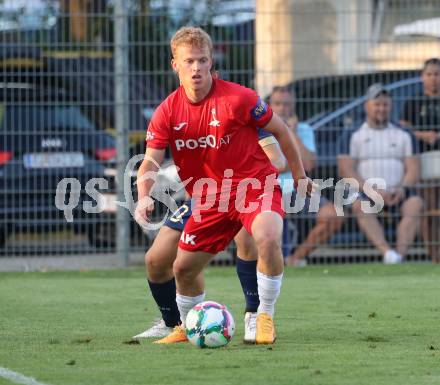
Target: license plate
pixel 53 160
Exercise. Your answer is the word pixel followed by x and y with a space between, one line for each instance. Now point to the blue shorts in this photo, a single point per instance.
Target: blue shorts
pixel 178 219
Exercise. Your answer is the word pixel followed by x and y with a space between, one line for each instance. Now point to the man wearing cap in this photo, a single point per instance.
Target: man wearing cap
pixel 380 149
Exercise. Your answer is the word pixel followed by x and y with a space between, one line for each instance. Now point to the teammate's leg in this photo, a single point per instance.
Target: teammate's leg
pixel 267 230
pixel 246 265
pixel 159 264
pixel 159 261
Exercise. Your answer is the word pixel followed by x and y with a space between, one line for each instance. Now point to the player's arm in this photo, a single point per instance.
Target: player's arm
pixel 275 156
pixel 145 181
pixel 272 150
pixel 156 141
pixel 278 128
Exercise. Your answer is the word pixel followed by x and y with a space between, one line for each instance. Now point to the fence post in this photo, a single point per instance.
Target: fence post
pixel 122 119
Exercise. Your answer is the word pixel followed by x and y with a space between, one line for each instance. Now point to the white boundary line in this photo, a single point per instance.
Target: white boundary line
pixel 18 378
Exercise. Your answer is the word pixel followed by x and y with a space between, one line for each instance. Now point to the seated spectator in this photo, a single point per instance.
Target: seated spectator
pixel 379 149
pixel 282 101
pixel 422 115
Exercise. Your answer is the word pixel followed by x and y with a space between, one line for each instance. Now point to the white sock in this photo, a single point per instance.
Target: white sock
pixel 268 291
pixel 185 304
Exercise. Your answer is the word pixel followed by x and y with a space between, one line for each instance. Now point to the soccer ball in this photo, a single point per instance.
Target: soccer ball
pixel 209 325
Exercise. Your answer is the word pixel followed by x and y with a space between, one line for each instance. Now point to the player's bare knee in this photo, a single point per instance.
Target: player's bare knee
pixel 182 271
pixel 178 270
pixel 268 246
pixel 157 266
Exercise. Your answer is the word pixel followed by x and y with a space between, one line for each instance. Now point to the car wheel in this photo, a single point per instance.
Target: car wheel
pixel 102 235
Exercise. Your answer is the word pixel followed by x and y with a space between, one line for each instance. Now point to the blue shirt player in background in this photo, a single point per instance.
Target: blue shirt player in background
pixel 326 222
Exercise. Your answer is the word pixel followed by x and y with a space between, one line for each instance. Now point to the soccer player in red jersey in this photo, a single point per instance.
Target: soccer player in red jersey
pixel 211 127
pixel 161 254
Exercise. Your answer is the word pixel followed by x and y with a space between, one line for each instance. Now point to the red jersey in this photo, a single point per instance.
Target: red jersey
pixel 220 132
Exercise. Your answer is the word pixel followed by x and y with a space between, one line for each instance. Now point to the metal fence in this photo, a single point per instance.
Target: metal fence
pixel 81 79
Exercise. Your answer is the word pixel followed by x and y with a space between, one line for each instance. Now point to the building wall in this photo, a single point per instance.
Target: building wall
pixel 305 38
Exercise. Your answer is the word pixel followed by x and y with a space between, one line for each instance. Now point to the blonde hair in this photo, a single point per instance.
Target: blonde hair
pixel 192 36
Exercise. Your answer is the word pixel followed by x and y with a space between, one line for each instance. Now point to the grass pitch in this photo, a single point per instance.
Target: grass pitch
pixel 358 324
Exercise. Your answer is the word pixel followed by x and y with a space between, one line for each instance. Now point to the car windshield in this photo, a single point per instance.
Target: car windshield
pixel 28 118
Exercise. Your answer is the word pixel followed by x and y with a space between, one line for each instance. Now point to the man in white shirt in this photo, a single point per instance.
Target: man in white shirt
pixel 379 149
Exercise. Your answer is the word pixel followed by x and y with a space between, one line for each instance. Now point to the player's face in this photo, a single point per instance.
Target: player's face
pixel 193 65
pixel 283 104
pixel 378 110
pixel 431 79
